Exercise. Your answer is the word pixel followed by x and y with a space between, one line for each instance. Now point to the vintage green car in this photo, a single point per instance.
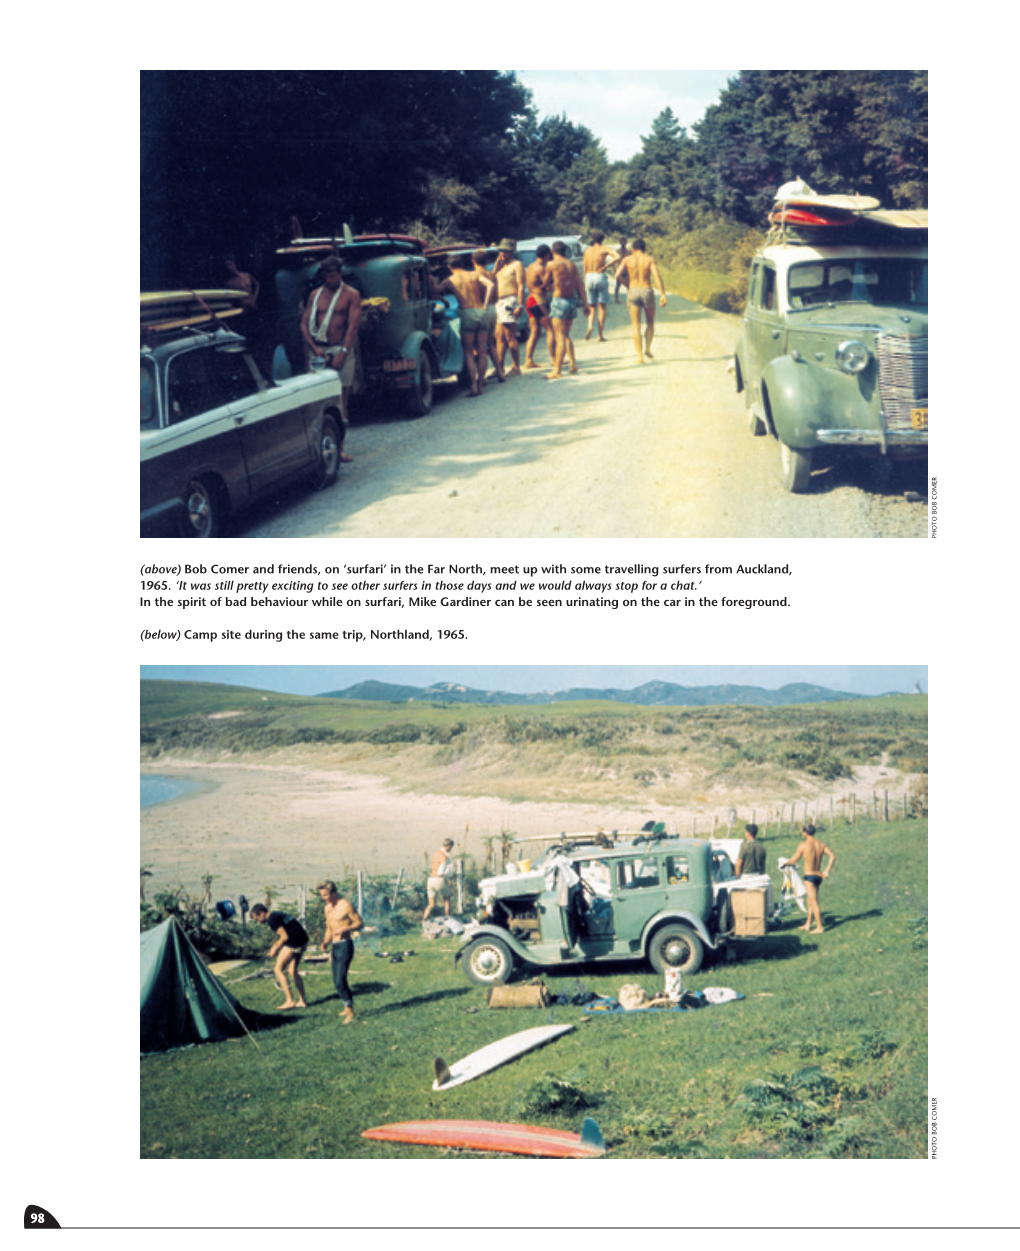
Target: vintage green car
pixel 404 343
pixel 833 351
pixel 652 898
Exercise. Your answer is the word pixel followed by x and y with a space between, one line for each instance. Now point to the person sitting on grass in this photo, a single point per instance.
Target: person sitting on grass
pixel 292 939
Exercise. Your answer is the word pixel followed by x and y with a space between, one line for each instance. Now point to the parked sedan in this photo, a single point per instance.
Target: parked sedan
pixel 834 347
pixel 216 435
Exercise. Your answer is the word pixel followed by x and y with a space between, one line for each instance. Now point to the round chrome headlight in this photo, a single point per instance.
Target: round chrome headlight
pixel 852 356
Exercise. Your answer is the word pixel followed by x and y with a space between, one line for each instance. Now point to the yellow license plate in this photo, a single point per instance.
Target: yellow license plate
pixel 919 418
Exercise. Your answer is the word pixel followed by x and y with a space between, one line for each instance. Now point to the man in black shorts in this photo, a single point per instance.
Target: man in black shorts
pixel 812 850
pixel 291 941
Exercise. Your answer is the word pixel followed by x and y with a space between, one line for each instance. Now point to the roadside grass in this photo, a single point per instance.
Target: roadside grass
pixel 826 1057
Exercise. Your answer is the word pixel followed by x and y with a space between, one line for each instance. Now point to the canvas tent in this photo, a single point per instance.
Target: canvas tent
pixel 182 1002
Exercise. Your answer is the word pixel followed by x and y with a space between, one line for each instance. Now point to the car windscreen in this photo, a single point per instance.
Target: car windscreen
pixel 882 280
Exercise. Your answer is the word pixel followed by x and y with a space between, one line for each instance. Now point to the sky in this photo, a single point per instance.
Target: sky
pixel 520 679
pixel 619 106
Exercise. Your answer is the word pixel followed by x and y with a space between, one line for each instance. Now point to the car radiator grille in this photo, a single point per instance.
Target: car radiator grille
pixel 902 377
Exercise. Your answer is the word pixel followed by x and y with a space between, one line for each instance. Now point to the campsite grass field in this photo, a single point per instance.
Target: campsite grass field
pixel 825 1057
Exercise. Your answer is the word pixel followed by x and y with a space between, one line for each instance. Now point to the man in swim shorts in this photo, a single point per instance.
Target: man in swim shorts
pixel 437 883
pixel 638 271
pixel 539 285
pixel 329 327
pixel 812 850
pixel 474 289
pixel 597 259
pixel 567 296
pixel 291 941
pixel 621 250
pixel 342 922
pixel 510 279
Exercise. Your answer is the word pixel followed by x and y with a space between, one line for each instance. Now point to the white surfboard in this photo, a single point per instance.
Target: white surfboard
pixel 495 1054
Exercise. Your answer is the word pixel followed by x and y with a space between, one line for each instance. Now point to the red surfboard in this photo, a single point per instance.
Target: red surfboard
pixel 496 1137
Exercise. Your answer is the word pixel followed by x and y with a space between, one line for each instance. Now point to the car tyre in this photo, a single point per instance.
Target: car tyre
pixel 205 510
pixel 328 463
pixel 419 402
pixel 675 947
pixel 488 962
pixel 794 468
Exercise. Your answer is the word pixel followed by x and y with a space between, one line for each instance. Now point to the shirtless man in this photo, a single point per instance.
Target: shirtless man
pixel 539 286
pixel 237 280
pixel 812 850
pixel 509 274
pixel 638 271
pixel 437 885
pixel 567 294
pixel 291 941
pixel 597 259
pixel 342 921
pixel 329 327
pixel 475 292
pixel 621 250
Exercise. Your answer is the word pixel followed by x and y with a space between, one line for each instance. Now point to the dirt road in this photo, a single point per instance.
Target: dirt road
pixel 619 450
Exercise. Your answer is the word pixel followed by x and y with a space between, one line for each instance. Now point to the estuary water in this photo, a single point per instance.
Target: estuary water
pixel 160 790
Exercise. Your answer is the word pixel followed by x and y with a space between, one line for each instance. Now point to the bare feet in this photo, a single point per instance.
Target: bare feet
pixel 554 375
pixel 345 459
pixel 285 1007
pixel 531 365
pixel 347 1016
pixel 588 333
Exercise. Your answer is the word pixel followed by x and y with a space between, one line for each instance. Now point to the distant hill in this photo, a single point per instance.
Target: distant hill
pixel 651 694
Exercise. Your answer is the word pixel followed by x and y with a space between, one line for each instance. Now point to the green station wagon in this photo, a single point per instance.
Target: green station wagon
pixel 651 898
pixel 833 350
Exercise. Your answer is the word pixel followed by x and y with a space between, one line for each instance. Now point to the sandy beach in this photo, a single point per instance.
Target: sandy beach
pixel 253 826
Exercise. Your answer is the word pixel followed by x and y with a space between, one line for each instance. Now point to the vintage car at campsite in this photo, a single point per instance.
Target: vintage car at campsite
pixel 654 898
pixel 404 343
pixel 216 435
pixel 833 351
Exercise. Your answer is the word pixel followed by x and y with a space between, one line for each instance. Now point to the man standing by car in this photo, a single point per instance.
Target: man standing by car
pixel 437 885
pixel 539 286
pixel 329 327
pixel 342 922
pixel 509 274
pixel 567 296
pixel 812 850
pixel 751 858
pixel 597 259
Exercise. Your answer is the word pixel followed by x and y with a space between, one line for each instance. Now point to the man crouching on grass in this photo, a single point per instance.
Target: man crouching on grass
pixel 289 947
pixel 342 920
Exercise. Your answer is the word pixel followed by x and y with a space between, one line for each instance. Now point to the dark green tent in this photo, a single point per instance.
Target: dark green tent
pixel 182 1002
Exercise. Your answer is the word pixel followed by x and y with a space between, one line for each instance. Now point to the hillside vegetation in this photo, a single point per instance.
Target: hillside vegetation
pixel 585 750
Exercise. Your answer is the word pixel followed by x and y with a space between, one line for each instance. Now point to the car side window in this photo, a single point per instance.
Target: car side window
pixel 204 379
pixel 149 409
pixel 752 292
pixel 677 870
pixel 768 289
pixel 637 873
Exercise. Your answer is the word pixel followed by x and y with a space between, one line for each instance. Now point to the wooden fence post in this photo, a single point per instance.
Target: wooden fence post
pixel 853 807
pixel 460 887
pixel 396 889
pixel 361 896
pixel 886 805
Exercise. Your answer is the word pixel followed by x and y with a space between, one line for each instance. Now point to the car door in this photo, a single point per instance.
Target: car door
pixel 197 435
pixel 273 425
pixel 763 321
pixel 639 891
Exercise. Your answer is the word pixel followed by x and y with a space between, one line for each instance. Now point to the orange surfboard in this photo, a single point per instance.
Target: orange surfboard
pixel 492 1136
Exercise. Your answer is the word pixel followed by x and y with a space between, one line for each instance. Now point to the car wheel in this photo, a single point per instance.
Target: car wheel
pixel 328 464
pixel 419 402
pixel 205 510
pixel 488 962
pixel 794 468
pixel 675 947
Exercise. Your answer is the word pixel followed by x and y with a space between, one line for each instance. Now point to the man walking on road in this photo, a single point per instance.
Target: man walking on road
pixel 812 850
pixel 539 286
pixel 597 259
pixel 567 296
pixel 638 271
